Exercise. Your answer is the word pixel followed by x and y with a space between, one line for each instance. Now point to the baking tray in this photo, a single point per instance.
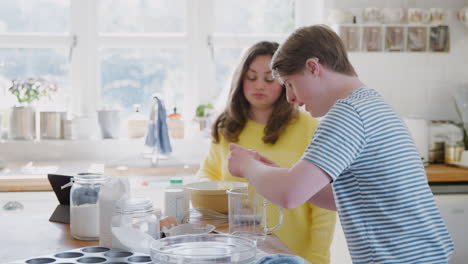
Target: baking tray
pixel 90 255
pixel 97 254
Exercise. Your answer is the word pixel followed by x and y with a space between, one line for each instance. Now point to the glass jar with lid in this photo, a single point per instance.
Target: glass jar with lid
pixel 84 210
pixel 135 217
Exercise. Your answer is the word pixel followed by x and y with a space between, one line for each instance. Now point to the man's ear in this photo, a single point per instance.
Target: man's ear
pixel 313 66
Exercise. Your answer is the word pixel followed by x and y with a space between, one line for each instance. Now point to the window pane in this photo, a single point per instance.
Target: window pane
pixel 50 64
pixel 141 16
pixel 131 76
pixel 226 59
pixel 51 16
pixel 260 16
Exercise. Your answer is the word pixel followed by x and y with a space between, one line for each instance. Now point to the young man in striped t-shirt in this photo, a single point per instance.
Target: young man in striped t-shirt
pixel 361 161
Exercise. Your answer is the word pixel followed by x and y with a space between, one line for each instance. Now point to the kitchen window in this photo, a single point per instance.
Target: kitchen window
pixel 238 25
pixel 131 76
pixel 141 16
pixel 25 16
pixel 254 17
pixel 51 64
pixel 33 43
pixel 118 53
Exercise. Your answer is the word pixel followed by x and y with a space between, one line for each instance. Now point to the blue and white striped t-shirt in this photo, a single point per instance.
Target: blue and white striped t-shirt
pixel 385 205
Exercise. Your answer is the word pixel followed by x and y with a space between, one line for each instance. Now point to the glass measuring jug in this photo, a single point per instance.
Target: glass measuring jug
pixel 248 214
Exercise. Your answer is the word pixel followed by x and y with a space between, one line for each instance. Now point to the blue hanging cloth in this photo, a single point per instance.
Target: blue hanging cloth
pixel 157 135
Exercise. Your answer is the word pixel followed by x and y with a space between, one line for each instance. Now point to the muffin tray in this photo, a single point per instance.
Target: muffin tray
pixel 88 255
pixel 98 254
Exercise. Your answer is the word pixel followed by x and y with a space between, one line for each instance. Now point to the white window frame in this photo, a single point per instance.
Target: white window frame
pixel 199 40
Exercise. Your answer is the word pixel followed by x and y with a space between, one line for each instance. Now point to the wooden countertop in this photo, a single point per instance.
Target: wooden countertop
pixel 28 233
pixel 435 173
pixel 41 183
pixel 445 173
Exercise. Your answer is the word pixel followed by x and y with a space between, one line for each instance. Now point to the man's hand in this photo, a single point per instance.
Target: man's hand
pixel 238 158
pixel 265 160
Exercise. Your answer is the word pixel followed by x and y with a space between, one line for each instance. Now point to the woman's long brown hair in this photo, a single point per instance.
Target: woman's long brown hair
pixel 232 120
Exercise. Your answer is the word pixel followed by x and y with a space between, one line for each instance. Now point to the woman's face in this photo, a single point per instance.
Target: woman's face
pixel 260 88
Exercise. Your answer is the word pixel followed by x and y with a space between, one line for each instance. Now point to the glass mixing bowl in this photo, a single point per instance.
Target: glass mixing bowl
pixel 205 248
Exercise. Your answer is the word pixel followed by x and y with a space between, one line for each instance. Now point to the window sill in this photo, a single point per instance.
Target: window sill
pixel 110 152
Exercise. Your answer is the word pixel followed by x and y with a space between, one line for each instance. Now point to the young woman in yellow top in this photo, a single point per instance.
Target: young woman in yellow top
pixel 259 117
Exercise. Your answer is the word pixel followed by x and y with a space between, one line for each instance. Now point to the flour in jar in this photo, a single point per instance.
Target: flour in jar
pixel 84 221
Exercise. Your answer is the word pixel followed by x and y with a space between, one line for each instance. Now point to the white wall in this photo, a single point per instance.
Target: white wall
pixel 416 84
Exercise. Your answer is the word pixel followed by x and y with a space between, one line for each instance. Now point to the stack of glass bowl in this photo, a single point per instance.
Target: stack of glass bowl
pixel 201 249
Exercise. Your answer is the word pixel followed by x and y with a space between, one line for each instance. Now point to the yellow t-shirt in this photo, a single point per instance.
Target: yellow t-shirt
pixel 307 229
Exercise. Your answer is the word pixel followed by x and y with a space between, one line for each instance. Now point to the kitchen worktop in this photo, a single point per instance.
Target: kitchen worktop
pixel 28 232
pixel 445 173
pixel 19 180
pixel 436 173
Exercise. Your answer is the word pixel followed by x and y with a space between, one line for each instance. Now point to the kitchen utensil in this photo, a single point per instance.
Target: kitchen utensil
pixel 204 215
pixel 212 194
pixel 136 123
pixel 112 255
pixel 453 152
pixel 113 190
pixel 437 152
pixel 89 255
pixel 248 214
pixel 201 249
pixel 109 122
pixel 177 201
pixel 84 210
pixel 133 238
pixel 22 122
pixel 188 229
pixel 52 124
pixel 136 219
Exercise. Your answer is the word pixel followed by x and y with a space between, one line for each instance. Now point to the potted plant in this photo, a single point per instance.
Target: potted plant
pixel 202 114
pixel 22 120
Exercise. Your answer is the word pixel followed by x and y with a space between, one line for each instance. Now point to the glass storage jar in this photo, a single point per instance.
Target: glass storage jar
pixel 134 218
pixel 84 210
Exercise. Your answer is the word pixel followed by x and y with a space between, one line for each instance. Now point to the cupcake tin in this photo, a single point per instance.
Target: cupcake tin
pixel 88 255
pixel 98 254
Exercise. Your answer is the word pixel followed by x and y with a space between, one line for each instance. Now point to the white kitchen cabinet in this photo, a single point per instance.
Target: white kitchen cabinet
pixel 453 204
